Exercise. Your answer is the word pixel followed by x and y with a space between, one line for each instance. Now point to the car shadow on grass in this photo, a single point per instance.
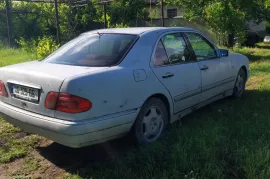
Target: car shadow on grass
pixel 225 114
pixel 71 158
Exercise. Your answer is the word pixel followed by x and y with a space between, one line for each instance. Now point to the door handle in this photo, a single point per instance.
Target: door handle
pixel 168 75
pixel 204 67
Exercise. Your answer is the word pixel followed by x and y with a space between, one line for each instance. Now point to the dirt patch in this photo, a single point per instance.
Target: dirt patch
pixel 32 166
pixel 7 170
pixel 3 143
pixel 52 172
pixel 19 135
pixel 3 174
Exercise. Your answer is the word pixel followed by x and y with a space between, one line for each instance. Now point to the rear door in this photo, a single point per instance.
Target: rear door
pixel 215 71
pixel 175 67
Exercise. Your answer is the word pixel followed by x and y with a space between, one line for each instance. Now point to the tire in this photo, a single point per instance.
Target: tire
pixel 240 84
pixel 151 122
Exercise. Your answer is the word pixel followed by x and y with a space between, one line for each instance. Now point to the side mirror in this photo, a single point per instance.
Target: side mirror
pixel 223 53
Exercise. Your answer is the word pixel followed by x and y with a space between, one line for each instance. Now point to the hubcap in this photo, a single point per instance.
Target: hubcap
pixel 152 124
pixel 240 83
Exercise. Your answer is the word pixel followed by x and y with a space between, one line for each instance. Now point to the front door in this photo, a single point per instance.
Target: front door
pixel 215 71
pixel 177 70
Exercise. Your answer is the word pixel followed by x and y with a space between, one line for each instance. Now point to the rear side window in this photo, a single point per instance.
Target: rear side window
pixel 93 50
pixel 172 49
pixel 160 57
pixel 176 48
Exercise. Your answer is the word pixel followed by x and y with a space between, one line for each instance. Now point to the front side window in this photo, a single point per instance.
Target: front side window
pixel 203 49
pixel 93 50
pixel 176 48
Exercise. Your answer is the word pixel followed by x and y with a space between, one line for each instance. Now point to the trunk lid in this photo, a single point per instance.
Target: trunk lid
pixel 28 83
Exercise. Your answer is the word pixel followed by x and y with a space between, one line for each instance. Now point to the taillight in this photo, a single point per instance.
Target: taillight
pixel 3 90
pixel 51 100
pixel 67 103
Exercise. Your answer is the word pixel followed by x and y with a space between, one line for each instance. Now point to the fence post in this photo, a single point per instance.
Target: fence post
pixel 57 21
pixel 162 13
pixel 9 23
pixel 105 15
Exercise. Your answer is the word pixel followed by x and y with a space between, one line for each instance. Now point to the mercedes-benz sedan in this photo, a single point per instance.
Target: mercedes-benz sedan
pixel 107 83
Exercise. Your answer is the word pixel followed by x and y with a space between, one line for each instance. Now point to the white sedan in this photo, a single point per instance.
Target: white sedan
pixel 107 83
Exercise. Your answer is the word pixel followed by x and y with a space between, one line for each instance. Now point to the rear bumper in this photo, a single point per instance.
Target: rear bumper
pixel 70 133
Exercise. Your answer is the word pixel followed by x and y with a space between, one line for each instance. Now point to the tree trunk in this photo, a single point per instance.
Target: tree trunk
pixel 9 23
pixel 57 21
pixel 231 40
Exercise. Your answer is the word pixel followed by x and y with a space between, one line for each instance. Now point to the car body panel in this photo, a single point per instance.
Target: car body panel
pixel 72 134
pixel 213 84
pixel 185 93
pixel 45 76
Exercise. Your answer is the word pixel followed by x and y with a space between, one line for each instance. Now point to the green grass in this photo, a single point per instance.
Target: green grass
pixel 10 56
pixel 227 139
pixel 255 54
pixel 13 142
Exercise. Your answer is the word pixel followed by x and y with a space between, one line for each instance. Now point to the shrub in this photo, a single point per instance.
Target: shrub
pixel 2 45
pixel 28 46
pixel 122 25
pixel 46 46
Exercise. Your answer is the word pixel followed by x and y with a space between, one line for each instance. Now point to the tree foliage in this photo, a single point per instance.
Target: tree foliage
pixel 225 17
pixel 126 11
pixel 32 21
pixel 35 20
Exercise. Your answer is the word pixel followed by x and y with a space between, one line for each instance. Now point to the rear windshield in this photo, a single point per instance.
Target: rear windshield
pixel 93 50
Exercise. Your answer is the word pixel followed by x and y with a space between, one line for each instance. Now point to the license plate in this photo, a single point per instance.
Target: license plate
pixel 30 94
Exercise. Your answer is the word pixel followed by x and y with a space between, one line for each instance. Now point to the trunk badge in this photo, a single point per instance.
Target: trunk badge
pixel 24 105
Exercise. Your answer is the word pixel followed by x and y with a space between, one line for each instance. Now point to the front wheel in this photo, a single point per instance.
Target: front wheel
pixel 240 84
pixel 151 121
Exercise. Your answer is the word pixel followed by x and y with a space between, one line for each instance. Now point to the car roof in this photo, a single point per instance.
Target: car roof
pixel 138 30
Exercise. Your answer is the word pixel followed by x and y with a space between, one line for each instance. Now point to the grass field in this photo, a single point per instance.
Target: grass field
pixel 228 139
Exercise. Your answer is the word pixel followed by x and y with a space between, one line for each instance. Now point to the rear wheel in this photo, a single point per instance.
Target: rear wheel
pixel 151 121
pixel 240 84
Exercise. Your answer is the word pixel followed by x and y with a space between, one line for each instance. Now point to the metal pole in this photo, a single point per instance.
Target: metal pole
pixel 105 15
pixel 9 23
pixel 162 13
pixel 57 21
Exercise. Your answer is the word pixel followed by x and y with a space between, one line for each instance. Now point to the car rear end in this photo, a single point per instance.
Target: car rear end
pixel 29 99
pixel 32 99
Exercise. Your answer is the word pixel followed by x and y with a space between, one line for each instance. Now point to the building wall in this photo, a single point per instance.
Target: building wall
pixel 151 8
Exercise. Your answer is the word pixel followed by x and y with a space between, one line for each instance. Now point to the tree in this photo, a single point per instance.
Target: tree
pixel 226 17
pixel 34 20
pixel 126 11
pixel 225 20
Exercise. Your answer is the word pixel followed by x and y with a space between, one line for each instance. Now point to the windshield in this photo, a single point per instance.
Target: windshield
pixel 267 38
pixel 93 50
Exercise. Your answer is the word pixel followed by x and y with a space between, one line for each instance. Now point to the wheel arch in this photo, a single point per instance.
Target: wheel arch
pixel 245 70
pixel 165 100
